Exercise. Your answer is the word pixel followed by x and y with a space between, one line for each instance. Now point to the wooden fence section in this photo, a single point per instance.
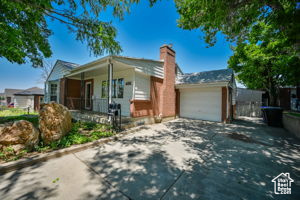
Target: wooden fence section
pixel 248 108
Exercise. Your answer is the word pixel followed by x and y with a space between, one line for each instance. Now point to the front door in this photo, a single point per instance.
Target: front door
pixel 88 95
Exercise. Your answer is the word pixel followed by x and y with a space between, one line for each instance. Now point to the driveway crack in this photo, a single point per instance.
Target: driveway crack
pixel 105 180
pixel 178 177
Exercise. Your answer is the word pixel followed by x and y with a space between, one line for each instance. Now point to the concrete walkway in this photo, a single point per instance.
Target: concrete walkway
pixel 181 159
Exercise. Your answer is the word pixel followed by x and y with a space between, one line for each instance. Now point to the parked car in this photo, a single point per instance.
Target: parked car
pixel 11 105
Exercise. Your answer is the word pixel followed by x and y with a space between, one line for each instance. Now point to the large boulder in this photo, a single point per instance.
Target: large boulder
pixel 55 121
pixel 19 135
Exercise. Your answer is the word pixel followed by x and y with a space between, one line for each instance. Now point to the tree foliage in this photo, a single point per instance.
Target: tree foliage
pixel 266 61
pixel 24 30
pixel 235 18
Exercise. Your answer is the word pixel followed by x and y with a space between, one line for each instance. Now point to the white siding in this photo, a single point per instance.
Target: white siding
pixel 128 89
pixel 156 70
pixel 58 72
pixel 24 102
pixel 149 67
pixel 142 87
pixel 48 88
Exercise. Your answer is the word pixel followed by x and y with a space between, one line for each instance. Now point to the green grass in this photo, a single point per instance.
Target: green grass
pixel 32 118
pixel 15 114
pixel 294 114
pixel 7 112
pixel 82 132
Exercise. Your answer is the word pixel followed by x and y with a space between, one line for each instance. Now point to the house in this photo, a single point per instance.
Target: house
pixel 2 99
pixel 288 95
pixel 282 183
pixel 145 88
pixel 30 98
pixel 9 95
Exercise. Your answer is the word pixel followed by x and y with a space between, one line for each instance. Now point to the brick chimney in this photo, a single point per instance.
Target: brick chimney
pixel 168 95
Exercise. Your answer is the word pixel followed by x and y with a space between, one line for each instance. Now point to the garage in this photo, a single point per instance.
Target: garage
pixel 207 95
pixel 201 103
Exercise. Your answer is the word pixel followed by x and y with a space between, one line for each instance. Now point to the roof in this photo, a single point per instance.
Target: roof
pixel 11 92
pixel 129 60
pixel 30 91
pixel 65 64
pixel 68 65
pixel 222 75
pixel 138 61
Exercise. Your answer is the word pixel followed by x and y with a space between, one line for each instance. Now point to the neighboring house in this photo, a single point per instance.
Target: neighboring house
pixel 143 87
pixel 30 98
pixel 286 97
pixel 9 95
pixel 2 99
pixel 249 102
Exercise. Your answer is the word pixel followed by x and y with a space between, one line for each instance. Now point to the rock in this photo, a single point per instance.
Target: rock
pixel 55 121
pixel 19 135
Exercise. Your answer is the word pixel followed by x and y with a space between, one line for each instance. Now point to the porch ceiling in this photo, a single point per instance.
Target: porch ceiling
pixel 98 70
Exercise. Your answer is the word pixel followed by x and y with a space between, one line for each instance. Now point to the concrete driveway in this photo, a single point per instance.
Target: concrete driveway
pixel 181 159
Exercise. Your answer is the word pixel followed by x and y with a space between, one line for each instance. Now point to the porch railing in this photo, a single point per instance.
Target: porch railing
pixel 96 104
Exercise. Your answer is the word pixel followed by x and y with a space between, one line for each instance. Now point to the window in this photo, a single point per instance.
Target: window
pixel 117 88
pixel 120 87
pixel 104 90
pixel 53 92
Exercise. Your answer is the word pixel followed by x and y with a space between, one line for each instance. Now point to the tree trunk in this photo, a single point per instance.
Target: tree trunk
pixel 273 94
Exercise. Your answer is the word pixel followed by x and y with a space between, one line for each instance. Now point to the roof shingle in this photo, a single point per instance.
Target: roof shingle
pixel 222 75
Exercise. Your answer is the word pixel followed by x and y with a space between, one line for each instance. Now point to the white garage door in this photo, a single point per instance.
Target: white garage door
pixel 201 103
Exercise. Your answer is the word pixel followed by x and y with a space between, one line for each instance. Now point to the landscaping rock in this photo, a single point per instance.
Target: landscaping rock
pixel 18 135
pixel 55 121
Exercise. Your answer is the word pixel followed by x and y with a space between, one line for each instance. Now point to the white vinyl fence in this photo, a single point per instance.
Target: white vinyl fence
pixel 248 108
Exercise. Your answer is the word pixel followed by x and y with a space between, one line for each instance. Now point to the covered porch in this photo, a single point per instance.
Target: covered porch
pixel 93 86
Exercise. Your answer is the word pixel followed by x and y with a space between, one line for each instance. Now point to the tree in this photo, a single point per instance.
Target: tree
pixel 266 61
pixel 45 71
pixel 24 28
pixel 235 18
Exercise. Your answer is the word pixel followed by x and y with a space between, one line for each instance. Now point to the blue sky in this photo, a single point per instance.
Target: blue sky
pixel 140 34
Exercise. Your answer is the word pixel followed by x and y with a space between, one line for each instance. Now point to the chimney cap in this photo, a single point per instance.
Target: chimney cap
pixel 167 45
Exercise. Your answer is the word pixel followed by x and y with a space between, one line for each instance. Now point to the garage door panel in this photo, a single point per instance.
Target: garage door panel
pixel 204 103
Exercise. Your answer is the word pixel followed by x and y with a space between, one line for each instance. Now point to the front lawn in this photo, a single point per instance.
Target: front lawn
pixel 7 112
pixel 81 132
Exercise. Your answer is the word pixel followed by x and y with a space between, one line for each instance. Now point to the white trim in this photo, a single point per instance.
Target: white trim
pixel 200 85
pixel 85 70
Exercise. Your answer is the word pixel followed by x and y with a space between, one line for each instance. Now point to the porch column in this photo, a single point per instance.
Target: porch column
pixel 110 77
pixel 82 91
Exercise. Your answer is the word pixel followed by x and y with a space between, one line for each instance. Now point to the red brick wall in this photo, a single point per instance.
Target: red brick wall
pixel 73 94
pixel 162 91
pixel 73 88
pixel 224 103
pixel 141 108
pixel 168 95
pixel 62 92
pixel 155 91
